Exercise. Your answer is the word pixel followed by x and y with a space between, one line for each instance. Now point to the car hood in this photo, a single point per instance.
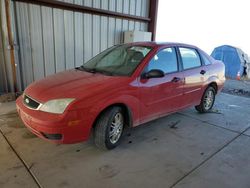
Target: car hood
pixel 72 84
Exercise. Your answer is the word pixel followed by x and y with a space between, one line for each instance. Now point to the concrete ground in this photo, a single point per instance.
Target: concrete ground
pixel 182 150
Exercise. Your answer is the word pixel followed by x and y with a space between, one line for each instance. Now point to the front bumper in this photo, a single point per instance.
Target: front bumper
pixel 66 128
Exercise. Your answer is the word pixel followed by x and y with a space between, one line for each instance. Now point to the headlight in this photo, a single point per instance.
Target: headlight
pixel 56 106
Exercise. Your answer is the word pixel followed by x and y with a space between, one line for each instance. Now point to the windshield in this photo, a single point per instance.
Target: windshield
pixel 119 60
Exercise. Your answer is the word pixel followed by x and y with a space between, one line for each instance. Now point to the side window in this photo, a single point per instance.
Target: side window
pixel 164 60
pixel 205 59
pixel 190 58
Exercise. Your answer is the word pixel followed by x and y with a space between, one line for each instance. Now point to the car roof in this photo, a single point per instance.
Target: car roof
pixel 161 44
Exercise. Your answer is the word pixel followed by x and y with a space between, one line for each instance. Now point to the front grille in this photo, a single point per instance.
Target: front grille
pixel 29 102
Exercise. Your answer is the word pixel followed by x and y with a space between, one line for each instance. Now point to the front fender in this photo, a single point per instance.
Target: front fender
pixel 131 102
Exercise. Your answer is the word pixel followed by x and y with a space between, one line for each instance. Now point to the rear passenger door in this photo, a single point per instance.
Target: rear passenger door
pixel 194 75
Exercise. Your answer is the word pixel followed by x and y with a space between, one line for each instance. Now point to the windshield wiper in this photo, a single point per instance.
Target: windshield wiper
pixel 82 68
pixel 93 70
pixel 104 72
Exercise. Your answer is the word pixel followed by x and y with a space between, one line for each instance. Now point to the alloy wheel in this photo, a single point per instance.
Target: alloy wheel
pixel 208 99
pixel 116 128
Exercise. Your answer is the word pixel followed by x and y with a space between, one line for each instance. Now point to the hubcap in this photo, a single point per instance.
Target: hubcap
pixel 208 100
pixel 116 128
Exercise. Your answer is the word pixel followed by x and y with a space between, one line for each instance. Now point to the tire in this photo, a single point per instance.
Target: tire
pixel 207 100
pixel 109 128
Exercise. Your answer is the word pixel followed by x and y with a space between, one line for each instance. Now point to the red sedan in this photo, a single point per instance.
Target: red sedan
pixel 126 85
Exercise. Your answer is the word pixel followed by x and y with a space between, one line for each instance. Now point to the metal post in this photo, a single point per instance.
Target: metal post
pixel 11 44
pixel 153 11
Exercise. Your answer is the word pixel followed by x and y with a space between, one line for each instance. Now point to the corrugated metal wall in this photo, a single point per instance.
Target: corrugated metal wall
pixel 51 40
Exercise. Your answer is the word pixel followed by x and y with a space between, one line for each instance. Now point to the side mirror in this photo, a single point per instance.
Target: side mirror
pixel 154 73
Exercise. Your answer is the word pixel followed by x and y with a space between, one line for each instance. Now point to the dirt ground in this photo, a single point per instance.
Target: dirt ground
pixel 237 87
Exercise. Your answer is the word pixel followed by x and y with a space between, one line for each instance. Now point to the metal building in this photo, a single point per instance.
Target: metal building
pixel 42 37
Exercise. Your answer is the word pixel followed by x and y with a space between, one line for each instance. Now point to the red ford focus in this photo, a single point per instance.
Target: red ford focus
pixel 125 85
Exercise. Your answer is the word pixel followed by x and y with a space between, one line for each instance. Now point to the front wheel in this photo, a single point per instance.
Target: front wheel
pixel 207 100
pixel 109 128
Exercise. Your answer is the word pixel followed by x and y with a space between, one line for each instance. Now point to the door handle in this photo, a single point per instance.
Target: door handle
pixel 176 79
pixel 203 72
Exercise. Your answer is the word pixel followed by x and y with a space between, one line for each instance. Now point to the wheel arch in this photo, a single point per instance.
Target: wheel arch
pixel 211 82
pixel 127 113
pixel 214 85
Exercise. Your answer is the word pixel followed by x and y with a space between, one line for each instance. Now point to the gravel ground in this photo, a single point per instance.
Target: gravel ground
pixel 237 87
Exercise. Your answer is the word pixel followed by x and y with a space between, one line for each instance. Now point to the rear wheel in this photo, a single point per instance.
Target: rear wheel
pixel 109 128
pixel 207 100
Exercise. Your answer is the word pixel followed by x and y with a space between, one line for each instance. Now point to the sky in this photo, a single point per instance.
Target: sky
pixel 205 23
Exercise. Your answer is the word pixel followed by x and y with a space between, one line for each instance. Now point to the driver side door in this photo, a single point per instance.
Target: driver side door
pixel 160 96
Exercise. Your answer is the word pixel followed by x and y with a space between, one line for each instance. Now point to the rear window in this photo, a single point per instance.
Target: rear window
pixel 205 59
